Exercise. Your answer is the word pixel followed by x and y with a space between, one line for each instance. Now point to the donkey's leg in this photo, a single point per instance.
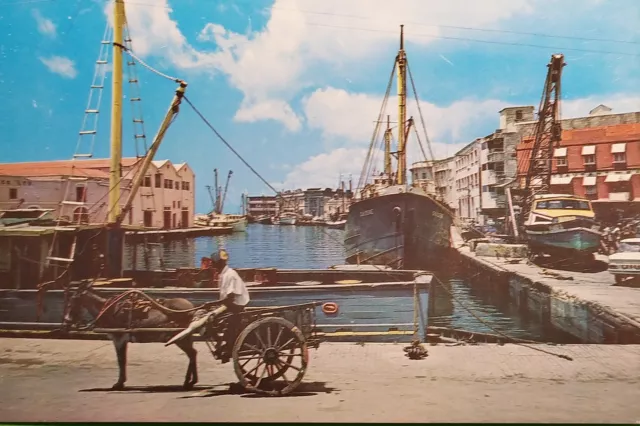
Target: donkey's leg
pixel 186 345
pixel 120 342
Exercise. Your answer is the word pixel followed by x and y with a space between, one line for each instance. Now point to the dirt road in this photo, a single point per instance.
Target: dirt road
pixel 53 380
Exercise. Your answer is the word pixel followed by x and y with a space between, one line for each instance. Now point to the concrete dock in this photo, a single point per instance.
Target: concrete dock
pixel 55 380
pixel 587 305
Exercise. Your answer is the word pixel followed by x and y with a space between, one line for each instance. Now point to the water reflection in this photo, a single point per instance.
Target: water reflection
pixel 453 304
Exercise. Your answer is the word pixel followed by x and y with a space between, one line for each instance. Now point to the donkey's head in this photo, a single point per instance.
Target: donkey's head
pixel 75 303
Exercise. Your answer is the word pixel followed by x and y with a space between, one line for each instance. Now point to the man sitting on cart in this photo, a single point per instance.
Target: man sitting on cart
pixel 234 297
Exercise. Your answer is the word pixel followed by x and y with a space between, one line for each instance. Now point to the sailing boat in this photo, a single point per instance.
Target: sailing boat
pixel 393 223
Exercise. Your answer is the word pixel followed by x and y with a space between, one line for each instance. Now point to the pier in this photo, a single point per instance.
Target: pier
pixel 485 383
pixel 586 305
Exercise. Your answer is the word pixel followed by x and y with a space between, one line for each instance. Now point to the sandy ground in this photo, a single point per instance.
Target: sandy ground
pixel 53 380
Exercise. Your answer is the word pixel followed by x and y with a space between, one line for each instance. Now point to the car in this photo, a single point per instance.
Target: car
pixel 625 263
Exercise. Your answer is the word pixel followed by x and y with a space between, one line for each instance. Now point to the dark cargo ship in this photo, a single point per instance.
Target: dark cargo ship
pixel 393 223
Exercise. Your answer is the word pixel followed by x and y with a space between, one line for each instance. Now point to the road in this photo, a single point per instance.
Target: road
pixel 55 380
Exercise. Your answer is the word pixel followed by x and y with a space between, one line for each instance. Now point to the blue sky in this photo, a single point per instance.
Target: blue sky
pixel 295 85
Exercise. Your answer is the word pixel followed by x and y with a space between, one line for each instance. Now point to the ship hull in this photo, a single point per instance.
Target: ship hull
pixel 576 240
pixel 401 230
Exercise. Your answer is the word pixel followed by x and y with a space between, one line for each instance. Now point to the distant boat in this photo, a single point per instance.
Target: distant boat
pixel 265 220
pixel 287 219
pixel 562 225
pixel 237 222
pixel 338 224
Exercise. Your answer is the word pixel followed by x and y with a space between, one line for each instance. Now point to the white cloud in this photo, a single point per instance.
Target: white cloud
pixel 45 26
pixel 620 103
pixel 272 65
pixel 344 115
pixel 348 118
pixel 272 109
pixel 60 65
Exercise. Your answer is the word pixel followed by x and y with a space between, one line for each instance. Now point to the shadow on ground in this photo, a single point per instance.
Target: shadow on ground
pixel 208 391
pixel 568 266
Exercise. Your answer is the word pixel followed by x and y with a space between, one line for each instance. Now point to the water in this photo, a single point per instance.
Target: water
pixel 453 304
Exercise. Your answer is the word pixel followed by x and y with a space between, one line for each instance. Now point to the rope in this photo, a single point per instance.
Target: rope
pixel 521 342
pixel 147 66
pixel 228 145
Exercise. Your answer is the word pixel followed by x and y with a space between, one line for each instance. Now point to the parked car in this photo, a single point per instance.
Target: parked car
pixel 625 263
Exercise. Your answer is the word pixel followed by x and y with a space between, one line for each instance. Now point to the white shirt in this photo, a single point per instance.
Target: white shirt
pixel 231 283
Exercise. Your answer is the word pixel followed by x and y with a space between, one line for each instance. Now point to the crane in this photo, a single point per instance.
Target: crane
pixel 226 188
pixel 548 133
pixel 213 201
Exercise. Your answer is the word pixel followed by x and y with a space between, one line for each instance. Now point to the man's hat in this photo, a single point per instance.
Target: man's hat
pixel 220 255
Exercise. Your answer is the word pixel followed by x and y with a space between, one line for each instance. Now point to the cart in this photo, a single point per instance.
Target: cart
pixel 269 347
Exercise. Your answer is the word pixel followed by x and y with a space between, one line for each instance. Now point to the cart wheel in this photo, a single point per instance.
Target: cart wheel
pixel 264 351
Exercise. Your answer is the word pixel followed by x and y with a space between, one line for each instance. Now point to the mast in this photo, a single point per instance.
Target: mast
pixel 387 149
pixel 402 110
pixel 216 206
pixel 115 171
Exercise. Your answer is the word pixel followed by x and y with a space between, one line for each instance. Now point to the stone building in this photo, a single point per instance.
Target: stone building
pixel 78 190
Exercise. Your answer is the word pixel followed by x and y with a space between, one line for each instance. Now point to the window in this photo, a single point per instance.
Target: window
pixel 176 185
pixel 13 193
pixel 589 159
pixel 168 184
pixel 81 194
pixel 620 157
pixel 147 182
pixel 562 162
pixel 424 175
pixel 563 205
pixel 518 115
pixel 158 180
pixel 185 186
pixel 590 190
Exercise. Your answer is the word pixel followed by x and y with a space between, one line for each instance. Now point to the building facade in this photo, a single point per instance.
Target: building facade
pixel 436 177
pixel 601 163
pixel 467 182
pixel 78 191
pixel 262 205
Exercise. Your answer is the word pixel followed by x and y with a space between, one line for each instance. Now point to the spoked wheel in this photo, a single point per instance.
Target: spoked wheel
pixel 265 351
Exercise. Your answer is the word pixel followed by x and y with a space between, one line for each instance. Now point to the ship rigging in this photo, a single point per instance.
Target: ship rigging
pixel 393 223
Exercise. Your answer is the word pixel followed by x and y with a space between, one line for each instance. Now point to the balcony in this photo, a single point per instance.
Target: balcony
pixel 619 196
pixel 495 157
pixel 494 178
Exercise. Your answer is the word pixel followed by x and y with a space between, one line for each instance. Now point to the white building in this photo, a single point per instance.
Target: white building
pixel 467 181
pixel 78 190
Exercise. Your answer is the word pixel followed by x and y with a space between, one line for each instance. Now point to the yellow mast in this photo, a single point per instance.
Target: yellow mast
pixel 387 149
pixel 402 110
pixel 115 171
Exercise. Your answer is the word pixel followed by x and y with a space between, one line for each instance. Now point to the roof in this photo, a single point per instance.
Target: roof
pixel 602 134
pixel 95 168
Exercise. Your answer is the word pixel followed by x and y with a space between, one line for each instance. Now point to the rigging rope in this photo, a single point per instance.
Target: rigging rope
pixel 366 168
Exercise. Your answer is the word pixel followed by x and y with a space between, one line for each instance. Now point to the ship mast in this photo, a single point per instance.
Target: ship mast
pixel 387 149
pixel 402 110
pixel 115 172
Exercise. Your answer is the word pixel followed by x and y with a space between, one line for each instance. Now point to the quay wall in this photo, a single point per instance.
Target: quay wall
pixel 557 306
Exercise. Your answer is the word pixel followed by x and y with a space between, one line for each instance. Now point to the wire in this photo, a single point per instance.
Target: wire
pixel 416 23
pixel 438 37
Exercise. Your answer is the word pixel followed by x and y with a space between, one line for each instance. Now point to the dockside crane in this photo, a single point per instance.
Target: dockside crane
pixel 547 136
pixel 224 193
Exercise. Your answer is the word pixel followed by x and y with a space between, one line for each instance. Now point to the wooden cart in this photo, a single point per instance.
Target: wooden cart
pixel 270 350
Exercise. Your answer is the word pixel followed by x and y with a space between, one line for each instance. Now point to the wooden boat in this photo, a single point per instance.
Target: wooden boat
pixel 238 223
pixel 287 219
pixel 562 224
pixel 369 304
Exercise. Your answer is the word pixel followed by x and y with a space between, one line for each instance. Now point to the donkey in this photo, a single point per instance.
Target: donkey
pixel 117 317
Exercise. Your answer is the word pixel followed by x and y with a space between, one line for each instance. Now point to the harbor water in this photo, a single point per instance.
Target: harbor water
pixel 453 303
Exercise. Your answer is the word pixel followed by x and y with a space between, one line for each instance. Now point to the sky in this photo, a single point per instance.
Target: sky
pixel 295 86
